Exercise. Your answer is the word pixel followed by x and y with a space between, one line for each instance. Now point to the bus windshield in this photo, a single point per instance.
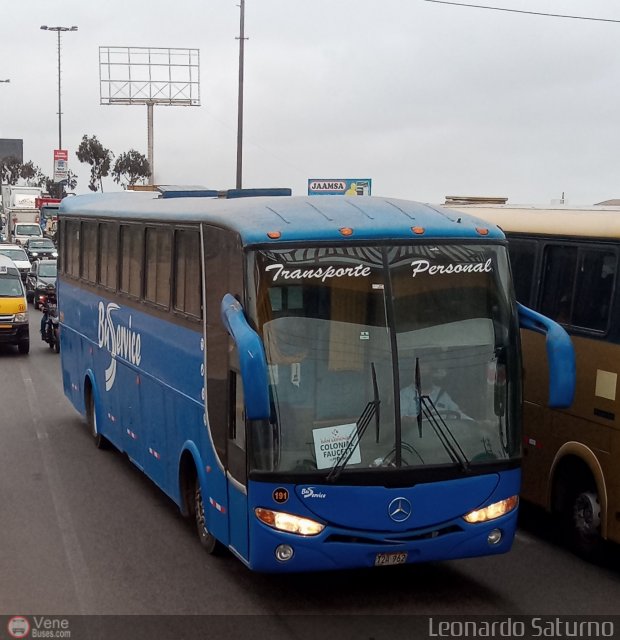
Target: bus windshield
pixel 388 357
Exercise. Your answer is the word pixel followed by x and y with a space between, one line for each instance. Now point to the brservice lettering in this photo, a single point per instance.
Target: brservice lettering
pixel 118 339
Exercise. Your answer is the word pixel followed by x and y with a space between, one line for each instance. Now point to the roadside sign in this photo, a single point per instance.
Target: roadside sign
pixel 339 186
pixel 61 165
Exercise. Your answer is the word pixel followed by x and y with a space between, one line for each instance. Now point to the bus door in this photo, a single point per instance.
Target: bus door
pixel 226 420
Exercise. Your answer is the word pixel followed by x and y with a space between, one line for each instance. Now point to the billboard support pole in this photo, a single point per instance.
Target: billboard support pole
pixel 240 97
pixel 149 124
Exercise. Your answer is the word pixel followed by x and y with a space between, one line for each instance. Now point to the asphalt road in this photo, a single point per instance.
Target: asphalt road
pixel 83 532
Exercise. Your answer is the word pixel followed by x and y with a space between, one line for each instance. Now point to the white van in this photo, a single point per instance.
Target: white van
pixel 18 256
pixel 23 230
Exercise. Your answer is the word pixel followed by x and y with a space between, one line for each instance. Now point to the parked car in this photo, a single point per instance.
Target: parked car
pixel 19 257
pixel 41 281
pixel 40 248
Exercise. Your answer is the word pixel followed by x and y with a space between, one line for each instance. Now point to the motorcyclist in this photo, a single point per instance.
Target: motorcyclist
pixel 45 306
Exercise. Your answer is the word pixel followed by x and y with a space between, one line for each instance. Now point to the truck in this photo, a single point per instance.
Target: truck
pixel 20 213
pixel 48 218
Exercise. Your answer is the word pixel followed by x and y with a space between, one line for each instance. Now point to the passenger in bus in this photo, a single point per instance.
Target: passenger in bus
pixel 437 395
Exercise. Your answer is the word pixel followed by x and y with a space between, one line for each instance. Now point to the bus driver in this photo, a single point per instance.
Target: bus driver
pixel 436 394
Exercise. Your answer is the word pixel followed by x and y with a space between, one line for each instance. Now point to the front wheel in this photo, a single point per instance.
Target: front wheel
pixel 24 347
pixel 208 541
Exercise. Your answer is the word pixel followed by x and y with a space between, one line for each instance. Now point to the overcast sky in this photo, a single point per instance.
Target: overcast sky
pixel 425 99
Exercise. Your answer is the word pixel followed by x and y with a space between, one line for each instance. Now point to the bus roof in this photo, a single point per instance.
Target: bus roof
pixel 296 218
pixel 592 222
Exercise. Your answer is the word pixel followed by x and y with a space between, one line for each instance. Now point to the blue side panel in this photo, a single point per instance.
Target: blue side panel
pixel 238 516
pixel 434 531
pixel 148 383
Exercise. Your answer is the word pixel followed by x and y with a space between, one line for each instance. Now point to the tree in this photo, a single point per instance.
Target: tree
pixel 12 171
pixel 10 168
pixel 59 189
pixel 32 174
pixel 99 158
pixel 130 167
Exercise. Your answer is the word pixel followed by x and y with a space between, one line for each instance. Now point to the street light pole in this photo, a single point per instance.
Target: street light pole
pixel 58 31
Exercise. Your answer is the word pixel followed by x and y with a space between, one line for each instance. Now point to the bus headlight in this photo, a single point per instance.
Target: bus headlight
pixel 21 317
pixel 493 511
pixel 288 522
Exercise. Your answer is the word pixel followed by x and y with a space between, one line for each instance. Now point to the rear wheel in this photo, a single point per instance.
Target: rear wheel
pixel 208 541
pixel 581 518
pixel 91 418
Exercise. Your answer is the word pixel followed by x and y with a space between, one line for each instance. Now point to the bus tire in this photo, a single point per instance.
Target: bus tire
pixel 581 522
pixel 208 541
pixel 91 419
pixel 24 347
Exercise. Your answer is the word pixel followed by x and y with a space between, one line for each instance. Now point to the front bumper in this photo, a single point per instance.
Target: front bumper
pixel 12 333
pixel 341 549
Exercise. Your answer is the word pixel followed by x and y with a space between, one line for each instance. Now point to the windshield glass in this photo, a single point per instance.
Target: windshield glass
pixel 47 270
pixel 346 330
pixel 41 244
pixel 14 254
pixel 10 286
pixel 28 230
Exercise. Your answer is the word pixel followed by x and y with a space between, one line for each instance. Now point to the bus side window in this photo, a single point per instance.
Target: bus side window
pixel 595 279
pixel 558 281
pixel 522 261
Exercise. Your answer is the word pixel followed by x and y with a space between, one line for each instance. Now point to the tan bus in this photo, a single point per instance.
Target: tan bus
pixel 565 265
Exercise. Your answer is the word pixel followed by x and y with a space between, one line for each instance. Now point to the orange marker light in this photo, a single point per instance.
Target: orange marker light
pixel 274 235
pixel 483 231
pixel 418 230
pixel 346 231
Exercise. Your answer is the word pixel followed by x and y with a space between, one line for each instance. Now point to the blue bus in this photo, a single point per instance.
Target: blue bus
pixel 321 383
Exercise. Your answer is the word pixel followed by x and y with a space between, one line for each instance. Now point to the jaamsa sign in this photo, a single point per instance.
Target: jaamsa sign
pixel 339 186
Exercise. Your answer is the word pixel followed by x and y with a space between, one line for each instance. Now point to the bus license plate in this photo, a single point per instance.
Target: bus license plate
pixel 5 326
pixel 385 559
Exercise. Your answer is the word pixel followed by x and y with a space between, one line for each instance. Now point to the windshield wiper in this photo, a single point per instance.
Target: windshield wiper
pixel 450 444
pixel 418 390
pixel 375 396
pixel 370 410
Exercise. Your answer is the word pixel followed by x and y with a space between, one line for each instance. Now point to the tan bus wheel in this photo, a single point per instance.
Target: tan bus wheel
pixel 581 520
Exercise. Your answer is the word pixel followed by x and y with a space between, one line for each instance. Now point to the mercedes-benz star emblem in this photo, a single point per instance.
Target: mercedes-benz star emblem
pixel 399 509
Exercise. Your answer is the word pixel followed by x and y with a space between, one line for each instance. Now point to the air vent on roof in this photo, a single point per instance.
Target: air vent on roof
pixel 475 200
pixel 168 191
pixel 173 191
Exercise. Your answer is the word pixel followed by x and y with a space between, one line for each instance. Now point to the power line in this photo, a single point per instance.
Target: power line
pixel 531 13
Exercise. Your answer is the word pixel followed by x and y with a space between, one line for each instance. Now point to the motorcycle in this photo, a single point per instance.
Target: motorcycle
pixel 50 328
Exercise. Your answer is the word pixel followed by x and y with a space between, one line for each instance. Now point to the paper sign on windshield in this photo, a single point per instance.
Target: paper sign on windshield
pixel 330 442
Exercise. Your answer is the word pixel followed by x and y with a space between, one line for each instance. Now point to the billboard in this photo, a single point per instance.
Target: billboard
pixel 12 147
pixel 339 186
pixel 61 169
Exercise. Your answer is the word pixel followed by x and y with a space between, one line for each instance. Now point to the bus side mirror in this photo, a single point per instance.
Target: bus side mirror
pixel 560 356
pixel 252 360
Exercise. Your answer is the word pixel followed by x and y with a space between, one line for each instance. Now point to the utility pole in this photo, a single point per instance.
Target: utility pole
pixel 58 31
pixel 241 39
